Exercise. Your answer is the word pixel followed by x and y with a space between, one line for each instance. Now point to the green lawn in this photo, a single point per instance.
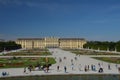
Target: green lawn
pixel 88 52
pixel 109 59
pixel 16 62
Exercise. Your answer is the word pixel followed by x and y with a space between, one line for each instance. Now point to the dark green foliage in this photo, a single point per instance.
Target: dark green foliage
pixel 103 45
pixel 10 45
pixel 118 46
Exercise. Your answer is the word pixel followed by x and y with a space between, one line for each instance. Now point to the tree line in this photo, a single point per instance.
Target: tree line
pixel 9 45
pixel 103 45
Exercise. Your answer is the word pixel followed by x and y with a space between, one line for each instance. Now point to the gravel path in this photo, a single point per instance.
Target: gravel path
pixel 67 59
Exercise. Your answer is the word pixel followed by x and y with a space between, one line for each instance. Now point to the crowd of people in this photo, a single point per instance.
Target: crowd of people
pixel 92 67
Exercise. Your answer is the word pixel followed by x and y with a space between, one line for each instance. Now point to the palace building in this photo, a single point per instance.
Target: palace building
pixel 51 42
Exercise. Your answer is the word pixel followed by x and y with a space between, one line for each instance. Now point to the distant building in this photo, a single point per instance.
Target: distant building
pixel 51 42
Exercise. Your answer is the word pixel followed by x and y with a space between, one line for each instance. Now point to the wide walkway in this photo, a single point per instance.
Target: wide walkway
pixel 74 64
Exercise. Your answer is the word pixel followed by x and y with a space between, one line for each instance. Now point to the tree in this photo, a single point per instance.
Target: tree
pixel 10 45
pixel 102 45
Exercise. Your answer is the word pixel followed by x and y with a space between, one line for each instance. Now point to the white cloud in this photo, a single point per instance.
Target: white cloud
pixel 31 3
pixel 17 2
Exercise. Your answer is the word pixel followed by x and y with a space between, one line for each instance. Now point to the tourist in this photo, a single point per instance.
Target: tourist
pixel 94 68
pixel 116 65
pixel 99 64
pixel 44 69
pixel 25 70
pixel 58 68
pixel 119 69
pixel 109 67
pixel 88 67
pixel 60 60
pixel 100 69
pixel 75 58
pixel 30 68
pixel 71 60
pixel 80 66
pixel 5 73
pixel 72 66
pixel 79 55
pixel 64 57
pixel 47 68
pixel 85 68
pixel 65 69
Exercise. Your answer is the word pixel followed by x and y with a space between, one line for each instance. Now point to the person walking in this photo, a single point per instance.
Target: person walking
pixel 58 68
pixel 85 68
pixel 71 60
pixel 109 68
pixel 65 69
pixel 94 68
pixel 80 66
pixel 25 70
pixel 100 69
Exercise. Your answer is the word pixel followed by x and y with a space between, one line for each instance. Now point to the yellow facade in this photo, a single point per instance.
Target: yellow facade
pixel 73 43
pixel 51 42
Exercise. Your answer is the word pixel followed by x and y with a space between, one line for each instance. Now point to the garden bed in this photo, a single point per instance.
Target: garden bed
pixel 16 62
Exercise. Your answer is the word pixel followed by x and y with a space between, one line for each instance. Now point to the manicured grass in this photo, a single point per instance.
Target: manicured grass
pixel 16 62
pixel 109 59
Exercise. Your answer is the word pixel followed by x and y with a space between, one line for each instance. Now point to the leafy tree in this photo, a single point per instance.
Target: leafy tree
pixel 10 45
pixel 102 45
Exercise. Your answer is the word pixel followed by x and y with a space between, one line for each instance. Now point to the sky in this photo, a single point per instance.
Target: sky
pixel 90 19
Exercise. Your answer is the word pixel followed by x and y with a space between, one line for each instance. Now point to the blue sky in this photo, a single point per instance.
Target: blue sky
pixel 89 19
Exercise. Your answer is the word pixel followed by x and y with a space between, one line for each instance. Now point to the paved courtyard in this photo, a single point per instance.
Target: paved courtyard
pixel 70 60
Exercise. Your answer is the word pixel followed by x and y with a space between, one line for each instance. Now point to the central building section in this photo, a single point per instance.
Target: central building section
pixel 51 42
